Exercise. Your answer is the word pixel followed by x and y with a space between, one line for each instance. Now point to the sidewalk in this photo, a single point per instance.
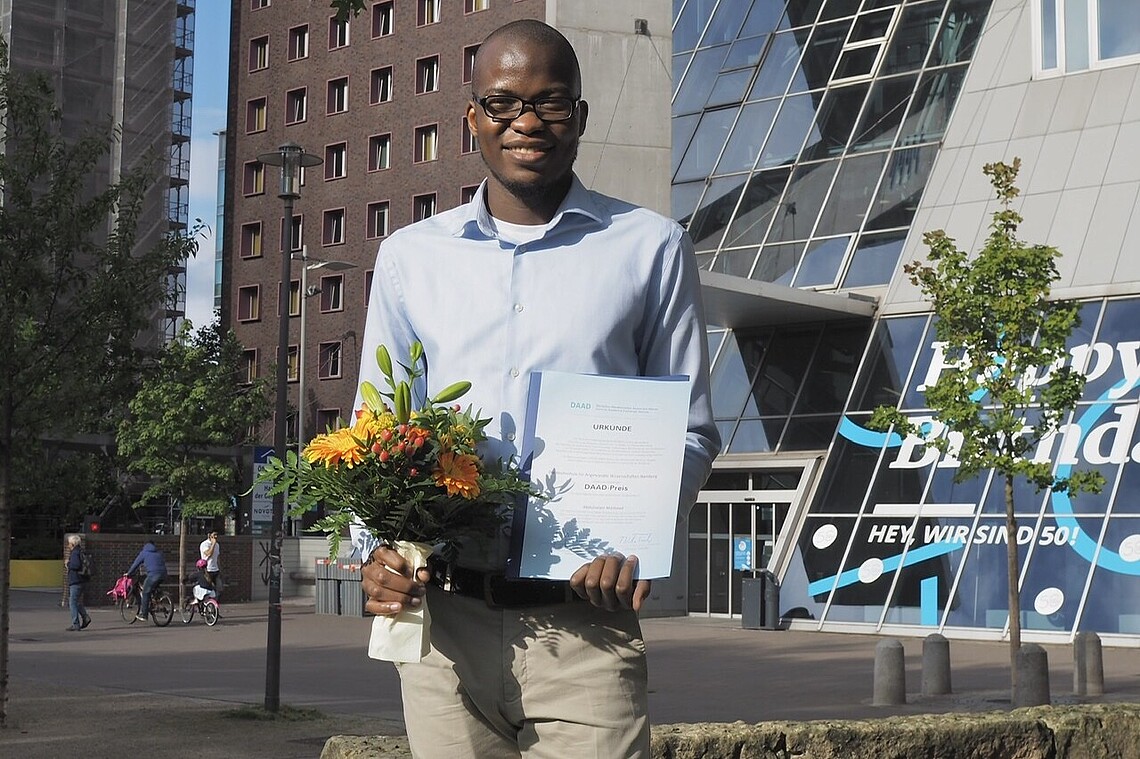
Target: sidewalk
pixel 115 690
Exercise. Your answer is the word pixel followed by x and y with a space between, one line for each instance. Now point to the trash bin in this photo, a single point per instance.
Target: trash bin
pixel 751 601
pixel 770 598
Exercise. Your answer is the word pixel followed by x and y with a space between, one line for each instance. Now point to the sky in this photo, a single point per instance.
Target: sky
pixel 211 68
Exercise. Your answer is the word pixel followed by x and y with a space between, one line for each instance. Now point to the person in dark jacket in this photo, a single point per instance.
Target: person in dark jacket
pixel 75 583
pixel 151 559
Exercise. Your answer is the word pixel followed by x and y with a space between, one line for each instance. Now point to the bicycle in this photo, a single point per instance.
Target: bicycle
pixel 208 607
pixel 161 610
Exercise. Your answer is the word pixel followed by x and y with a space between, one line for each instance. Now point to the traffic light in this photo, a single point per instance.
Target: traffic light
pixel 91 523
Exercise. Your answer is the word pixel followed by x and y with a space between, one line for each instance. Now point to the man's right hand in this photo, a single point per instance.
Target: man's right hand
pixel 388 584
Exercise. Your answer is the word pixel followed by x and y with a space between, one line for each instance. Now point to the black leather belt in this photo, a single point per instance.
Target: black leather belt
pixel 498 591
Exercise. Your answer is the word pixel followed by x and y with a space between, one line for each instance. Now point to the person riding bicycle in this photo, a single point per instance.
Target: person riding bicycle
pixel 199 582
pixel 153 561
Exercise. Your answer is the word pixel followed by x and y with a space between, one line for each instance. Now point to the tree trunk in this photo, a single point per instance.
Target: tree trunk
pixel 5 546
pixel 1013 574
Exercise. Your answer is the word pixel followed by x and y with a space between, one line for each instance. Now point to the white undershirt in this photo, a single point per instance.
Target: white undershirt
pixel 517 234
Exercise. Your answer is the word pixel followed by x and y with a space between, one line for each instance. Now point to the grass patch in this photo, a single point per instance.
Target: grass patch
pixel 283 714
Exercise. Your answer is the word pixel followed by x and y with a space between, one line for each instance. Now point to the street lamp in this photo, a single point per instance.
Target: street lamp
pixel 291 158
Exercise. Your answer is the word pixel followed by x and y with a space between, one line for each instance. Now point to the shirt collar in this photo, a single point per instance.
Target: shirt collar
pixel 578 203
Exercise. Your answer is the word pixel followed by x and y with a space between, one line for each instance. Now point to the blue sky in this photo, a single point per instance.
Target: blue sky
pixel 211 68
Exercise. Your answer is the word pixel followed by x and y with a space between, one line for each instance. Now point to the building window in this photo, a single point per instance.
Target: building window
pixel 293 374
pixel 332 229
pixel 382 18
pixel 865 44
pixel 294 297
pixel 427 12
pixel 469 63
pixel 259 53
pixel 253 182
pixel 1076 35
pixel 258 4
pixel 427 74
pixel 332 293
pixel 251 240
pixel 470 144
pixel 249 369
pixel 380 85
pixel 337 101
pixel 426 137
pixel 473 6
pixel 368 286
pixel 377 220
pixel 328 420
pixel 255 113
pixel 336 161
pixel 299 42
pixel 379 152
pixel 295 106
pixel 423 206
pixel 249 303
pixel 296 234
pixel 338 33
pixel 467 194
pixel 329 367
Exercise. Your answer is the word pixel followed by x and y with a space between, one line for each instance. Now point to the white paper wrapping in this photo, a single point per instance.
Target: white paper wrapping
pixel 405 637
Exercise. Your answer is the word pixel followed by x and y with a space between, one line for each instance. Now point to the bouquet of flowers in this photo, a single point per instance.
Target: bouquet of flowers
pixel 408 472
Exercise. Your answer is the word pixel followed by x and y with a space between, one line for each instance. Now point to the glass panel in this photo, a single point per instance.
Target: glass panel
pixel 857 62
pixel 901 188
pixel 782 373
pixel 705 147
pixel 809 433
pixel 723 26
pixel 848 475
pixel 1113 601
pixel 822 542
pixel 722 479
pixel 839 8
pixel 802 201
pixel 925 576
pixel 889 356
pixel 778 262
pixel 757 435
pixel 1053 580
pixel 854 185
pixel 685 197
pixel 871 564
pixel 943 488
pixel 959 34
pixel 731 380
pixel 1048 34
pixel 764 17
pixel 875 259
pixel 871 26
pixel 745 52
pixel 821 262
pixel 747 137
pixel 932 104
pixel 709 221
pixel 982 596
pixel 885 108
pixel 683 128
pixel 1127 500
pixel 694 90
pixel 820 56
pixel 834 122
pixel 1118 325
pixel 778 66
pixel 690 23
pixel 729 88
pixel 698 573
pixel 760 201
pixel 803 12
pixel 829 380
pixel 720 558
pixel 738 262
pixel 1027 501
pixel 911 41
pixel 680 63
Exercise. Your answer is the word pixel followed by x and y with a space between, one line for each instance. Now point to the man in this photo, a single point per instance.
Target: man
pixel 151 559
pixel 547 276
pixel 209 550
pixel 76 580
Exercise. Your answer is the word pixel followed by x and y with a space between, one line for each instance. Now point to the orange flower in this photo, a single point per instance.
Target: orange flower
pixel 333 448
pixel 459 473
pixel 369 424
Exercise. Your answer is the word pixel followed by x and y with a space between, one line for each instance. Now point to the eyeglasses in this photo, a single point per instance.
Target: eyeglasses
pixel 508 108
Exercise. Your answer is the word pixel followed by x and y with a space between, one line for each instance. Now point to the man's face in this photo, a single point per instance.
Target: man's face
pixel 526 157
pixel 213 536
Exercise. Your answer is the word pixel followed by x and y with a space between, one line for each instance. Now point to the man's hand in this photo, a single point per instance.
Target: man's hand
pixel 610 582
pixel 388 584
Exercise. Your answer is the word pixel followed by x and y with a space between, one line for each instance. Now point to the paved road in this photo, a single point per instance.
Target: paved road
pixel 72 690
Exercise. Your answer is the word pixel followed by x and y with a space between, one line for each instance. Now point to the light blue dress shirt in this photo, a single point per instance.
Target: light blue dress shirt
pixel 608 288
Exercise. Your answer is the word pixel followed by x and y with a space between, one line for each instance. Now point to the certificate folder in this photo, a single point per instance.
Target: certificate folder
pixel 606 452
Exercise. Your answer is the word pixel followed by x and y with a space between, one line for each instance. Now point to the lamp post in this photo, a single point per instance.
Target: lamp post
pixel 291 158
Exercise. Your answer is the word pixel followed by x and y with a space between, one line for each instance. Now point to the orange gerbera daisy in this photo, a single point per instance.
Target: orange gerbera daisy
pixel 459 473
pixel 334 448
pixel 369 424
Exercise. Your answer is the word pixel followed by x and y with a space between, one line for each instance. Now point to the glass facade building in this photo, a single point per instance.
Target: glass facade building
pixel 814 141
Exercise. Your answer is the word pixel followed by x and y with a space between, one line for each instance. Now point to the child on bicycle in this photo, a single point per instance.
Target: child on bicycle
pixel 199 580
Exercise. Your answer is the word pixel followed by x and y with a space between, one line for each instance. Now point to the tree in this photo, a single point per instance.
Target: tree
pixel 74 292
pixel 1006 341
pixel 189 413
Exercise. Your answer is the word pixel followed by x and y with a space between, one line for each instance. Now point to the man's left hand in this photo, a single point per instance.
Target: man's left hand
pixel 609 582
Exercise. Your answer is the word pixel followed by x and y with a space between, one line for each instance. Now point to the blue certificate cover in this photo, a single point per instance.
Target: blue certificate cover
pixel 607 453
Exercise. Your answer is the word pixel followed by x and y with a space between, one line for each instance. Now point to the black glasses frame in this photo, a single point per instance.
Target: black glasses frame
pixel 533 104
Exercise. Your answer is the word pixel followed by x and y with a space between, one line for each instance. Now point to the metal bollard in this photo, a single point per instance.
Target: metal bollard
pixel 935 665
pixel 890 674
pixel 1088 665
pixel 1032 676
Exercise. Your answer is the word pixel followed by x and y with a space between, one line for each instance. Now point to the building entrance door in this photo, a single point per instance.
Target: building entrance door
pixel 738 525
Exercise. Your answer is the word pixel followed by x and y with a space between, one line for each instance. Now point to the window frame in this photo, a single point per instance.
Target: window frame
pixel 249 303
pixel 337 95
pixel 250 368
pixel 475 6
pixel 375 140
pixel 427 75
pixel 298 34
pixel 428 12
pixel 339 33
pixel 330 364
pixel 468 142
pixel 372 215
pixel 295 98
pixel 424 206
pixel 426 144
pixel 333 222
pixel 380 82
pixel 259 53
pixel 293 368
pixel 252 242
pixel 336 161
pixel 1091 14
pixel 256 115
pixel 294 298
pixel 332 293
pixel 253 179
pixel 383 19
pixel 298 230
pixel 469 54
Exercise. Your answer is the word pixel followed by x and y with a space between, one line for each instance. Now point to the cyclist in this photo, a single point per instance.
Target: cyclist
pixel 153 561
pixel 199 582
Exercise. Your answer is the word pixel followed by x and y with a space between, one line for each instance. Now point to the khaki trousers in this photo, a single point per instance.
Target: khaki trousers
pixel 566 681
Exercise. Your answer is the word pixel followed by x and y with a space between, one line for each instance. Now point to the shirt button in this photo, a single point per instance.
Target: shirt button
pixel 514 372
pixel 518 308
pixel 510 436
